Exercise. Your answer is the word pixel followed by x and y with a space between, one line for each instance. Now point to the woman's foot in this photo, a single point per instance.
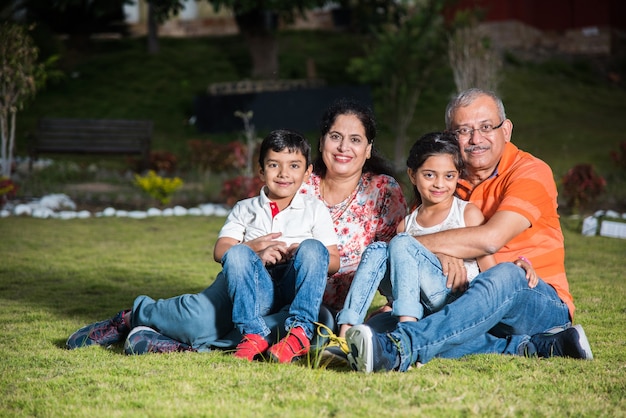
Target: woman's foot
pixel 102 333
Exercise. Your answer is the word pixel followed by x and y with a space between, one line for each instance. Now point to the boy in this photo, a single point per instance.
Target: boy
pixel 292 269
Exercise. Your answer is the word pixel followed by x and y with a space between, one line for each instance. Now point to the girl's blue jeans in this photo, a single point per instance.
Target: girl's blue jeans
pixel 404 269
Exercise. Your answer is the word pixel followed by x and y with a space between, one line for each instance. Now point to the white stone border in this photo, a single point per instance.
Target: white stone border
pixel 60 206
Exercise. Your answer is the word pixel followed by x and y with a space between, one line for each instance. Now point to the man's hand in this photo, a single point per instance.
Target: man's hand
pixel 454 269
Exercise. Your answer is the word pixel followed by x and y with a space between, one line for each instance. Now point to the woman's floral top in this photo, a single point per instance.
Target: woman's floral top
pixel 371 213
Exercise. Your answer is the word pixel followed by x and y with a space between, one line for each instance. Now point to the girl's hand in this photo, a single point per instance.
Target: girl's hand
pixel 531 274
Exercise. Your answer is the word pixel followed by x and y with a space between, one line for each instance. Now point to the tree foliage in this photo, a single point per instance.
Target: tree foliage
pixel 20 76
pixel 79 19
pixel 400 61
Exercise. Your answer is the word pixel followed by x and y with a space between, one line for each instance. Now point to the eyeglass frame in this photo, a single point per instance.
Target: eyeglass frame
pixel 471 132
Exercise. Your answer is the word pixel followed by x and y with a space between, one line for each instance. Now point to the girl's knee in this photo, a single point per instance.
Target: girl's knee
pixel 404 242
pixel 375 251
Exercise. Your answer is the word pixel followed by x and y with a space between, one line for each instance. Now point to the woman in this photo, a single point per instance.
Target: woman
pixel 366 205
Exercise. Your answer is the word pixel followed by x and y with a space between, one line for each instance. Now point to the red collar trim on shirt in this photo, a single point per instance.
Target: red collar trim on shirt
pixel 274 208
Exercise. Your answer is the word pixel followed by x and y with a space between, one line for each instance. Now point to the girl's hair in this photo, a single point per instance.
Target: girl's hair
pixel 280 139
pixel 376 164
pixel 431 144
pixel 467 97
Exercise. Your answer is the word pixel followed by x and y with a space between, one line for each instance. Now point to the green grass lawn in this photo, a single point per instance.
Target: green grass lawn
pixel 57 276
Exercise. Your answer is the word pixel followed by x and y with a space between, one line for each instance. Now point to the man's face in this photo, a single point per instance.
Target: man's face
pixel 481 151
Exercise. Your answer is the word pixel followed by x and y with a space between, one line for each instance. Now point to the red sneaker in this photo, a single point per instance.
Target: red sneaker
pixel 250 346
pixel 290 348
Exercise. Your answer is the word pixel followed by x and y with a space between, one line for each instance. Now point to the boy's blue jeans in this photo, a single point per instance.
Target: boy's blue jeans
pixel 403 268
pixel 257 291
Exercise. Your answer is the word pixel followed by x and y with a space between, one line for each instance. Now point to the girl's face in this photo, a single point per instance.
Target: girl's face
pixel 436 179
pixel 345 147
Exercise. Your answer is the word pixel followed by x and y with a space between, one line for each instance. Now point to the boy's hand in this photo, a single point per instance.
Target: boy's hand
pixel 268 249
pixel 274 254
pixel 261 243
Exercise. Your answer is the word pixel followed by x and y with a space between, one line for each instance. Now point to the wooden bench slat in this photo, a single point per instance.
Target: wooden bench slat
pixel 97 136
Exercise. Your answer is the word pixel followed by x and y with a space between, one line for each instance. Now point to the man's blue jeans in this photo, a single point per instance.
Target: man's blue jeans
pixel 496 314
pixel 403 268
pixel 257 291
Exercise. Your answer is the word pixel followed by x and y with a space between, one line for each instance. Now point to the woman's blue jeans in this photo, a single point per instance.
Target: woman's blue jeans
pixel 496 314
pixel 404 269
pixel 257 291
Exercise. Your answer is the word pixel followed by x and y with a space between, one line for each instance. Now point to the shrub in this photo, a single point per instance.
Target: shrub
pixel 163 162
pixel 160 188
pixel 619 157
pixel 212 156
pixel 8 189
pixel 239 188
pixel 581 186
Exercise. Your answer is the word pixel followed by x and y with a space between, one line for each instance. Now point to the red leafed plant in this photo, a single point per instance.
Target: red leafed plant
pixel 582 185
pixel 619 157
pixel 240 187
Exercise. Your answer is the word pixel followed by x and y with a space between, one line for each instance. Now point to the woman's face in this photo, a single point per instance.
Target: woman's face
pixel 345 147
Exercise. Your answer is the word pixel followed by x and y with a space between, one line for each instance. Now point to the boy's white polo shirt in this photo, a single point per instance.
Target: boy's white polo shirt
pixel 306 217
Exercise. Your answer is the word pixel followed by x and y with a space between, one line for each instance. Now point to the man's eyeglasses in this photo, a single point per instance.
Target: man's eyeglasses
pixel 464 132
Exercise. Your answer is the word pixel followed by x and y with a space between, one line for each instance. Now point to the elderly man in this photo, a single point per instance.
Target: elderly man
pixel 499 312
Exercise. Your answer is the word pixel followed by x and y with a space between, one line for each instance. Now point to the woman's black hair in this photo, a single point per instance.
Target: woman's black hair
pixel 280 139
pixel 428 145
pixel 376 164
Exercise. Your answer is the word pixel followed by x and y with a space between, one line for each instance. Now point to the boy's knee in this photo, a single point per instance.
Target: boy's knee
pixel 311 249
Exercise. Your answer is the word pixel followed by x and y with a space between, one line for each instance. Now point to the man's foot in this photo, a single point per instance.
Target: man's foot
pixel 335 353
pixel 292 347
pixel 370 351
pixel 571 342
pixel 143 340
pixel 250 346
pixel 102 333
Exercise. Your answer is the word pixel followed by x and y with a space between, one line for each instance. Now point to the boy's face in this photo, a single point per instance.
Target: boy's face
pixel 283 173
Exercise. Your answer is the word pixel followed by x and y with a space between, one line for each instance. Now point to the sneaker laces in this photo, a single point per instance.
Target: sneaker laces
pixel 333 339
pixel 110 328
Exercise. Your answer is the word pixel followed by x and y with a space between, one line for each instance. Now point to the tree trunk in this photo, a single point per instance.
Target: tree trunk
pixel 153 31
pixel 259 30
pixel 264 54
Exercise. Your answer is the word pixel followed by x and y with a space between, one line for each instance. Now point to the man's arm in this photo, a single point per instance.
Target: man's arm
pixel 477 241
pixel 453 245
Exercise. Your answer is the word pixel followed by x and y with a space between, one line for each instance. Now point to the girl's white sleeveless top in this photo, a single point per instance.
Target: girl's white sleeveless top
pixel 455 219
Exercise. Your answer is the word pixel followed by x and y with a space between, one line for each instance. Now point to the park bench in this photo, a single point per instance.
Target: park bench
pixel 93 136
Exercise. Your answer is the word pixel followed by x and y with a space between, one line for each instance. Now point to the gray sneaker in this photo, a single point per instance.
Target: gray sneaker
pixel 370 351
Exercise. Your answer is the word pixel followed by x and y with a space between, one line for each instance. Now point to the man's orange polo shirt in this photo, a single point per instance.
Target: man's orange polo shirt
pixel 524 184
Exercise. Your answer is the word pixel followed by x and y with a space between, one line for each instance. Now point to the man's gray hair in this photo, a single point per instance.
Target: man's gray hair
pixel 465 98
